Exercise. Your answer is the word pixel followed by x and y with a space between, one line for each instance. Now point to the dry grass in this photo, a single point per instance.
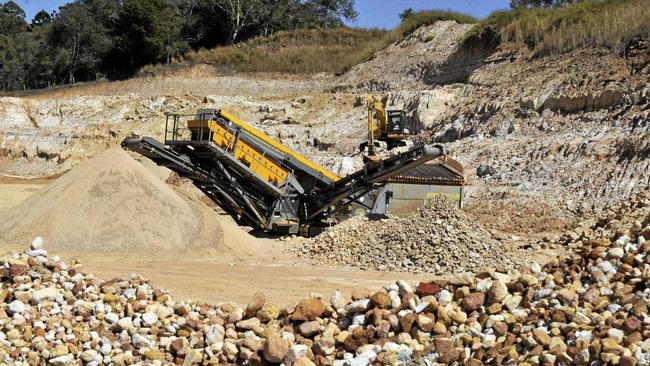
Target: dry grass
pixel 428 17
pixel 611 23
pixel 300 52
pixel 308 51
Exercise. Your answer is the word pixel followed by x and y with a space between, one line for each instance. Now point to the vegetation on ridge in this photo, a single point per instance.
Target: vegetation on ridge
pixel 557 29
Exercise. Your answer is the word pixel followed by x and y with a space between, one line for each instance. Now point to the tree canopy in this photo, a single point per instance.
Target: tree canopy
pixel 89 39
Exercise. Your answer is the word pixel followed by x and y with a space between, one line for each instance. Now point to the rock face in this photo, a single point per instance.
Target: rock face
pixel 437 239
pixel 582 308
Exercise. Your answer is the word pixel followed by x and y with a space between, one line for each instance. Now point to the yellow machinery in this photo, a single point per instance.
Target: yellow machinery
pixel 252 157
pixel 391 127
pixel 263 183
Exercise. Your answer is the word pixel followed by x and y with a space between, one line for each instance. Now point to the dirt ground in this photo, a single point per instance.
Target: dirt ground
pixel 262 266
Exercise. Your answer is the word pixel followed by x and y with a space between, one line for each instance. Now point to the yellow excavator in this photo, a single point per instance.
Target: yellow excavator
pixel 387 129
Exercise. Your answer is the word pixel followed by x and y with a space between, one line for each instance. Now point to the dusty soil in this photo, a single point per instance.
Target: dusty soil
pixel 247 265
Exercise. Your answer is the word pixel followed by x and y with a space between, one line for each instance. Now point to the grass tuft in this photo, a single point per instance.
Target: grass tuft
pixel 428 17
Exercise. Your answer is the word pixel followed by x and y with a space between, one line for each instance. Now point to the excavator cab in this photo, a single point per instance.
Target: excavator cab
pixel 398 124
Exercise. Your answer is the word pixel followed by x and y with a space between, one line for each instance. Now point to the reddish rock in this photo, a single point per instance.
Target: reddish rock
pixel 406 322
pixel 17 270
pixel 473 301
pixel 627 361
pixel 500 328
pixel 426 289
pixel 631 324
pixel 447 353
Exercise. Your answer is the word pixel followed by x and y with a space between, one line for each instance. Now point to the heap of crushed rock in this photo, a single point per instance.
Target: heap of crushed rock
pixel 588 308
pixel 437 239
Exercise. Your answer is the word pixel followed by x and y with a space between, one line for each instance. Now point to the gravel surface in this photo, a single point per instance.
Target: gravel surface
pixel 437 239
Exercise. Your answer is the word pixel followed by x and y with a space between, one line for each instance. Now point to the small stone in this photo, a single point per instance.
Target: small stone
pixel 255 304
pixel 616 252
pixel 37 243
pixel 275 347
pixel 16 307
pixel 304 361
pixel 541 337
pixel 62 360
pixel 427 289
pixel 308 309
pixel 324 346
pixel 296 352
pixel 309 329
pixel 381 300
pixel 497 292
pixel 154 355
pixel 337 300
pixel 268 312
pixel 149 319
pixel 249 324
pixel 360 293
pixel 473 301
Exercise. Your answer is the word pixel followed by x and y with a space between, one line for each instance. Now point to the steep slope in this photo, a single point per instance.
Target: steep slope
pixel 409 62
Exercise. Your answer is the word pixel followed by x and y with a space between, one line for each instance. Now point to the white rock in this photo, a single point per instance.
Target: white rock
pixel 37 253
pixel 111 318
pixel 296 352
pixel 616 252
pixel 358 306
pixel 16 307
pixel 125 323
pixel 405 287
pixel 62 360
pixel 37 243
pixel 616 334
pixel 444 297
pixel 337 300
pixel 214 333
pixel 395 300
pixel 140 341
pixel 149 319
pixel 105 349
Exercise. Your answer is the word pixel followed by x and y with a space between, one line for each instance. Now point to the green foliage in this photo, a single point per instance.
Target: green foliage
pixel 556 29
pixel 91 39
pixel 79 41
pixel 415 20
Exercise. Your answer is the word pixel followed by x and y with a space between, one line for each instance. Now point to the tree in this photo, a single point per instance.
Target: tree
pixel 146 31
pixel 406 13
pixel 240 14
pixel 327 13
pixel 12 19
pixel 11 70
pixel 79 40
pixel 41 18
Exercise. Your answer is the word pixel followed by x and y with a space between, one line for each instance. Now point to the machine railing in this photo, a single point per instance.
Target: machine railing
pixel 177 129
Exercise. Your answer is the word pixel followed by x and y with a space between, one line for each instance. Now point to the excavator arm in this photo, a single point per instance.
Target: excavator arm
pixel 375 129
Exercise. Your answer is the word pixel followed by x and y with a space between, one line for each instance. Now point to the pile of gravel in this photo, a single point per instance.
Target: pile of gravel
pixel 438 239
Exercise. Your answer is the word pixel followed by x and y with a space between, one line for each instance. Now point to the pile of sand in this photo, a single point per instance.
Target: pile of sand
pixel 112 204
